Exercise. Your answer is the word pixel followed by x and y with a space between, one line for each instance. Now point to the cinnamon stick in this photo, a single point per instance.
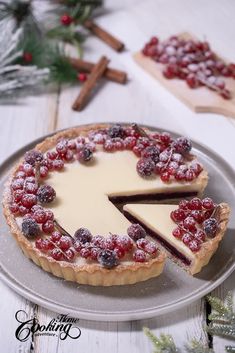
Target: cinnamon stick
pixel 105 36
pixel 111 74
pixel 97 71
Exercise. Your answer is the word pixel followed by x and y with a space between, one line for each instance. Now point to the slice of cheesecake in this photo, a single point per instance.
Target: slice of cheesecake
pixel 189 236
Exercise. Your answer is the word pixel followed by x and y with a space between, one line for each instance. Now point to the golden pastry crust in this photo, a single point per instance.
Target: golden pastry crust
pixel 92 274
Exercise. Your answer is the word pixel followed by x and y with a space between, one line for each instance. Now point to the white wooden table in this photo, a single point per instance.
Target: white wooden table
pixel 142 100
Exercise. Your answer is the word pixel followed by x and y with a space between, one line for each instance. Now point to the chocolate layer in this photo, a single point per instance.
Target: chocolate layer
pixel 152 197
pixel 162 241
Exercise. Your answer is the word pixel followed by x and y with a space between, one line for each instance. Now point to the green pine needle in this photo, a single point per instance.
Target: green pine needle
pixel 61 71
pixel 163 344
pixel 196 346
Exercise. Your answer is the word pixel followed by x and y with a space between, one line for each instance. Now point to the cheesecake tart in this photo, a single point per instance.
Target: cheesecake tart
pixel 63 200
pixel 190 232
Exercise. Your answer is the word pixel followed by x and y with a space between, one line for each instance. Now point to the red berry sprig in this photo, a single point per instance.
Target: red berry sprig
pixel 66 19
pixel 196 222
pixel 192 61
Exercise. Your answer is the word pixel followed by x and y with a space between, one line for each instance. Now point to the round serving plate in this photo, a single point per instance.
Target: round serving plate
pixel 168 292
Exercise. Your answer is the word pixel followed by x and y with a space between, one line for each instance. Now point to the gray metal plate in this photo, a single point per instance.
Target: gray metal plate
pixel 172 290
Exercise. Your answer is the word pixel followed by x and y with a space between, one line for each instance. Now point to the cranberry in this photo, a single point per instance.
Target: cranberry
pixel 55 236
pixel 142 243
pixel 57 254
pixel 70 254
pixel 28 169
pixel 178 215
pixel 165 176
pixel 165 138
pixel 195 204
pixel 64 243
pixel 189 223
pixel 52 155
pixel 154 40
pixel 139 256
pixel 194 245
pixel 46 194
pixel 30 188
pixel 97 240
pixel 94 253
pixel 17 195
pixel 83 235
pixel 138 149
pixel 129 142
pixel 208 203
pixel 78 245
pixel 62 147
pixel 48 227
pixel 66 19
pixel 183 204
pixel 43 171
pixel 136 231
pixel 23 210
pixel 14 208
pixel 189 175
pixel 109 244
pixel 186 238
pixel 58 164
pixel 177 233
pixel 28 200
pixel 33 156
pixel 27 57
pixel 198 216
pixel 20 174
pixel 119 253
pixel 30 228
pixel 17 184
pixel 123 242
pixel 200 236
pixel 159 168
pixel 192 81
pixel 151 248
pixel 82 77
pixel 145 167
pixel 44 244
pixel 68 157
pixel 109 146
pixel 71 145
pixel 50 215
pixel 40 216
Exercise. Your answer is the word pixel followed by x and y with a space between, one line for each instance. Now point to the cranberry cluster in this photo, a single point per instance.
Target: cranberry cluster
pixel 192 61
pixel 105 250
pixel 159 153
pixel 195 222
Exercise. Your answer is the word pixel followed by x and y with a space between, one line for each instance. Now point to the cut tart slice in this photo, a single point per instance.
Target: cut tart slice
pixel 190 232
pixel 81 174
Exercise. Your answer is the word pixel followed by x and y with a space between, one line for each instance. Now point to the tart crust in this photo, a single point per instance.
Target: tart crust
pixel 92 274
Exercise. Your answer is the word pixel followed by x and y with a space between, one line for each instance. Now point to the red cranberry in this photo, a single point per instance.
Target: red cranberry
pixel 23 210
pixel 138 149
pixel 14 208
pixel 28 169
pixel 139 256
pixel 66 19
pixel 82 77
pixel 109 146
pixel 40 216
pixel 30 188
pixel 123 242
pixel 64 243
pixel 198 216
pixel 183 204
pixel 200 236
pixel 70 254
pixel 77 245
pixel 178 215
pixel 177 233
pixel 28 200
pixel 62 147
pixel 17 195
pixel 165 176
pixel 194 245
pixel 187 238
pixel 17 184
pixel 52 155
pixel 55 236
pixel 43 171
pixel 189 175
pixel 50 215
pixel 208 203
pixel 189 223
pixel 85 252
pixel 130 142
pixel 33 156
pixel 195 204
pixel 151 248
pixel 57 254
pixel 48 227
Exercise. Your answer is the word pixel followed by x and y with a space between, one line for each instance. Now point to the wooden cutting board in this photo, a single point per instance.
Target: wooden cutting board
pixel 202 99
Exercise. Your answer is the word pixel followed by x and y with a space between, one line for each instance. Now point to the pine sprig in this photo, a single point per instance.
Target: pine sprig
pixel 61 71
pixel 163 344
pixel 198 347
pixel 223 317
